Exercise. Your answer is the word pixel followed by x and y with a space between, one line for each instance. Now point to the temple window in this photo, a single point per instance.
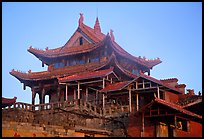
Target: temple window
pixel 88 60
pixel 95 60
pixel 59 65
pixel 72 63
pixel 81 61
pixel 182 124
pixel 80 41
pixel 67 63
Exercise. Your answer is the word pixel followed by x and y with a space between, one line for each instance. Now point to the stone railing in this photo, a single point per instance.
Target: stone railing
pixel 46 106
pixel 96 110
pixel 20 105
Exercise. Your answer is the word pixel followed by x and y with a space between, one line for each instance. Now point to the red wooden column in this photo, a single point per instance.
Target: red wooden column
pixel 137 102
pixel 42 96
pixel 33 95
pixel 58 92
pixel 142 132
pixel 96 97
pixel 103 93
pixel 87 91
pixel 130 100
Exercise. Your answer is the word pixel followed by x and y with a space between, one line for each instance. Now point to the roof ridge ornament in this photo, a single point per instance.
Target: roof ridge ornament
pixel 97 28
pixel 81 19
pixel 111 35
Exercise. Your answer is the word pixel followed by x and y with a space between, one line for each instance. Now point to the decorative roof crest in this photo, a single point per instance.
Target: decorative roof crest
pixel 111 35
pixel 81 19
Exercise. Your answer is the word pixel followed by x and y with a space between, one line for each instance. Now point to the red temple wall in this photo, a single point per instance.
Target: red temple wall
pixel 171 97
pixel 149 131
pixel 195 130
pixel 135 126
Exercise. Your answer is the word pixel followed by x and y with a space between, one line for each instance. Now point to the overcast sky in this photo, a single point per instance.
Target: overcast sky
pixel 170 31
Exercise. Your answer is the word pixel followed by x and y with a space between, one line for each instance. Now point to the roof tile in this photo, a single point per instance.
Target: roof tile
pixel 86 75
pixel 115 86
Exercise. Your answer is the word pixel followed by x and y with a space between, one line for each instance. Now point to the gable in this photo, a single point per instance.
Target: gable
pixel 76 39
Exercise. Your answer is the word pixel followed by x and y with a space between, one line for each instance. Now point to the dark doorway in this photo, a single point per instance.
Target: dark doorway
pixel 170 131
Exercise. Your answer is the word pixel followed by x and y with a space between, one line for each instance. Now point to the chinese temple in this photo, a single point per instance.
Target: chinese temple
pixel 92 68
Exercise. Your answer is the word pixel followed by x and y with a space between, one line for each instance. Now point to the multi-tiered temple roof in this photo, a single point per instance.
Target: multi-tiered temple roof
pixel 93 39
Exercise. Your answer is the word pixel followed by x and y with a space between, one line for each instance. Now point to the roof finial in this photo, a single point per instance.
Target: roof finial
pixel 81 19
pixel 97 28
pixel 111 35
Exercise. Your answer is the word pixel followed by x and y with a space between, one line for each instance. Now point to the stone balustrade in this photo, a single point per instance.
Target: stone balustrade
pixel 81 104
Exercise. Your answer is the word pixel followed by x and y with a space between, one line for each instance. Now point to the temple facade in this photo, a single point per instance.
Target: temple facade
pixel 92 68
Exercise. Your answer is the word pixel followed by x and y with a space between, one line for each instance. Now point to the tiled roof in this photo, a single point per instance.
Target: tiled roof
pixel 60 72
pixel 66 51
pixel 180 86
pixel 197 101
pixel 115 86
pixel 69 70
pixel 169 80
pixel 62 51
pixel 145 62
pixel 177 107
pixel 126 72
pixel 159 82
pixel 136 77
pixel 96 37
pixel 8 101
pixel 187 99
pixel 93 35
pixel 170 105
pixel 86 75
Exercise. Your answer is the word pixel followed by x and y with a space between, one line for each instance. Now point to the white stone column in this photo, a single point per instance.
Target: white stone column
pixel 103 82
pixel 103 100
pixel 78 90
pixel 66 98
